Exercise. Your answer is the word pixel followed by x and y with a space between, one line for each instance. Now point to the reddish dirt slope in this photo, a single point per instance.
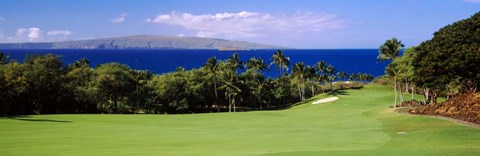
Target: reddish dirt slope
pixel 463 107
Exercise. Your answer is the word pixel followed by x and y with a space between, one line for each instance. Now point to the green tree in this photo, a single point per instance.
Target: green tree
pixel 44 75
pixel 452 52
pixel 80 82
pixel 14 89
pixel 170 92
pixel 114 82
pixel 141 98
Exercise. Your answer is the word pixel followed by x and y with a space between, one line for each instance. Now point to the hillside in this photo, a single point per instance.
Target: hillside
pixel 144 42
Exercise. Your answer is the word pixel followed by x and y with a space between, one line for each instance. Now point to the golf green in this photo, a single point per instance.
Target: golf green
pixel 358 123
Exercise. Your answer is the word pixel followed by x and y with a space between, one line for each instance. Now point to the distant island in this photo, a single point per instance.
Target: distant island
pixel 144 42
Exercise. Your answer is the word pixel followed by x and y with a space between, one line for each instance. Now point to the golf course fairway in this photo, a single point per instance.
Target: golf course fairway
pixel 358 123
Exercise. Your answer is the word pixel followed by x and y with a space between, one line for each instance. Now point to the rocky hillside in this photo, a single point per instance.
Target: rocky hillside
pixel 464 107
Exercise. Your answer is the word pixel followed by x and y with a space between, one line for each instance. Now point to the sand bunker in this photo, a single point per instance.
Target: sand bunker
pixel 330 99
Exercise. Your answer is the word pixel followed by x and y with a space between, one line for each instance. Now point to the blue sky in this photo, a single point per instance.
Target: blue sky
pixel 290 23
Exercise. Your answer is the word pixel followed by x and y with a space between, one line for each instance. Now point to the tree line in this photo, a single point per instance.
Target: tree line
pixel 446 65
pixel 42 84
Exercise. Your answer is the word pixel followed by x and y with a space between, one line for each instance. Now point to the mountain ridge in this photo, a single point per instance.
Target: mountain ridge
pixel 144 42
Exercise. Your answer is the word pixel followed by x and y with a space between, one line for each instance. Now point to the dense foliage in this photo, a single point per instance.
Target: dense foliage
pixel 43 84
pixel 445 65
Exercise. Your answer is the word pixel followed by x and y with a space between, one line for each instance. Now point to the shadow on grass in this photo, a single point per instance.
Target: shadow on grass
pixel 44 120
pixel 338 92
pixel 332 93
pixel 288 106
pixel 30 119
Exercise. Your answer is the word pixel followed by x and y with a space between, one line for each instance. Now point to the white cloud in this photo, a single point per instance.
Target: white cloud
pixel 31 34
pixel 59 33
pixel 34 34
pixel 21 32
pixel 251 24
pixel 120 18
pixel 472 1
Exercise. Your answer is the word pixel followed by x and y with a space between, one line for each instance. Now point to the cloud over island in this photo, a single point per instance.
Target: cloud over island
pixel 250 24
pixel 120 18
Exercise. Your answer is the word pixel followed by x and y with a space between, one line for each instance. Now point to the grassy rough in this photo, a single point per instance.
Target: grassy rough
pixel 359 123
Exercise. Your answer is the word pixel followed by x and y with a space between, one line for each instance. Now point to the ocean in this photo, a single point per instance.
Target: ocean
pixel 163 61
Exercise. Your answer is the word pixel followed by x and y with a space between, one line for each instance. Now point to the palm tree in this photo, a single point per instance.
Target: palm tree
pixel 212 66
pixel 256 65
pixel 312 76
pixel 390 50
pixel 299 72
pixel 342 75
pixel 320 66
pixel 3 58
pixel 235 62
pixel 281 62
pixel 331 75
pixel 393 71
pixel 258 91
pixel 351 77
pixel 231 88
pixel 322 78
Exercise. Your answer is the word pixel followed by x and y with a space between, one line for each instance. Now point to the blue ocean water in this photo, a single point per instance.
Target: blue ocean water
pixel 162 61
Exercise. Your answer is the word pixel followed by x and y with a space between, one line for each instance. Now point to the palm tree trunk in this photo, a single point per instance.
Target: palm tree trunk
pixel 331 86
pixel 115 105
pixel 433 99
pixel 299 91
pixel 216 93
pixel 234 106
pixel 323 89
pixel 229 104
pixel 395 91
pixel 400 93
pixel 313 91
pixel 260 101
pixel 406 87
pixel 413 89
pixel 303 89
pixel 426 96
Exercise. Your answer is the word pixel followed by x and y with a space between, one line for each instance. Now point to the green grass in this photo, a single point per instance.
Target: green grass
pixel 359 123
